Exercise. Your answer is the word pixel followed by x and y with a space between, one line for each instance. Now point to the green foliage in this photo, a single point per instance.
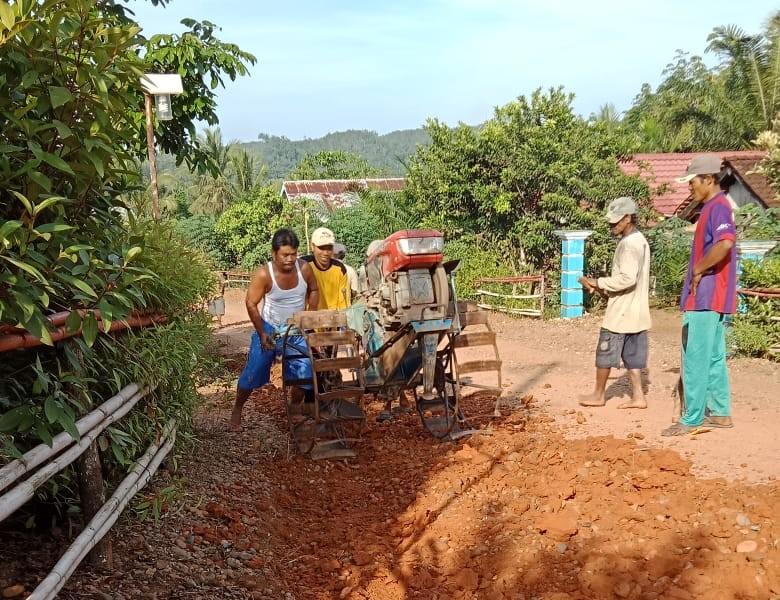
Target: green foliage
pixel 200 232
pixel 385 153
pixel 755 223
pixel 696 108
pixel 750 338
pixel 214 190
pixel 203 61
pixel 333 164
pixel 247 226
pixel 690 111
pixel 533 168
pixel 70 141
pixel 670 252
pixel 756 332
pixel 44 390
pixel 478 258
pixel 375 215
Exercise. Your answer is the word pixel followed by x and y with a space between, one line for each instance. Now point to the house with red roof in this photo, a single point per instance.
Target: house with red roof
pixel 671 198
pixel 331 194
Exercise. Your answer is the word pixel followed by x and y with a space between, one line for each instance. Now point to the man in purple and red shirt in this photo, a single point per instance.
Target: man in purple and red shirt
pixel 709 296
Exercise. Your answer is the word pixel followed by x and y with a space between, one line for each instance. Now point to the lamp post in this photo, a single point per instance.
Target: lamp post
pixel 161 86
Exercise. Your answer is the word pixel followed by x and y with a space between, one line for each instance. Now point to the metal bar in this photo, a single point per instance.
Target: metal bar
pixel 520 279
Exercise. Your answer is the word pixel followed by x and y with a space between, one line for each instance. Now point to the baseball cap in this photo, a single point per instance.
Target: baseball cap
pixel 322 236
pixel 704 164
pixel 619 208
pixel 339 250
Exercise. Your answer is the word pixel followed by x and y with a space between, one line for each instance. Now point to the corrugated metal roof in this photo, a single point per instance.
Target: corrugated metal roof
pixel 670 197
pixel 336 193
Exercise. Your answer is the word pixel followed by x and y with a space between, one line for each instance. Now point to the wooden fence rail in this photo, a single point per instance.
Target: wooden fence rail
pixel 536 293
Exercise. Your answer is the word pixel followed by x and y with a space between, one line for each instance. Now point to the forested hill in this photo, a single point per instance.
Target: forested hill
pixel 386 152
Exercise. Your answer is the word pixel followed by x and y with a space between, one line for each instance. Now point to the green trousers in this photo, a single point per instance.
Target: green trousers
pixel 704 372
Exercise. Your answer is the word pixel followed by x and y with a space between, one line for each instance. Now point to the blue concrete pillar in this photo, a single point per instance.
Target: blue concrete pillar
pixel 754 250
pixel 572 265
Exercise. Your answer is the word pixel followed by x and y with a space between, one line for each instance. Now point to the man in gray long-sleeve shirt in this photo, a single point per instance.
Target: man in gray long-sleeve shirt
pixel 623 336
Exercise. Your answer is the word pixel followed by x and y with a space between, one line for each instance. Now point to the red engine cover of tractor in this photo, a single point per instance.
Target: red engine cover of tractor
pixel 393 258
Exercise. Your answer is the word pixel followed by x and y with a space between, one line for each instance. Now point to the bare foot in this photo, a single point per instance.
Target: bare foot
pixel 634 404
pixel 235 421
pixel 592 400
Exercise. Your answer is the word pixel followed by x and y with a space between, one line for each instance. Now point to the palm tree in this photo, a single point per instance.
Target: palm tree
pixel 213 191
pixel 608 115
pixel 244 171
pixel 751 68
pixel 140 201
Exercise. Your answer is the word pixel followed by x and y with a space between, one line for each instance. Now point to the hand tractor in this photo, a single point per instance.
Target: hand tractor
pixel 399 335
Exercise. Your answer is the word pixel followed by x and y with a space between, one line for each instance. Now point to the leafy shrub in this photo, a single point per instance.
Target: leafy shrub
pixel 247 226
pixel 478 258
pixel 201 232
pixel 72 131
pixel 755 223
pixel 750 338
pixel 756 332
pixel 375 215
pixel 43 390
pixel 670 247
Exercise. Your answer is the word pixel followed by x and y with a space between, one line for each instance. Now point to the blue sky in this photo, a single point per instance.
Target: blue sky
pixel 330 66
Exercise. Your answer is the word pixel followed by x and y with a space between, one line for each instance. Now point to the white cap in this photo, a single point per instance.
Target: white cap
pixel 704 164
pixel 619 208
pixel 323 236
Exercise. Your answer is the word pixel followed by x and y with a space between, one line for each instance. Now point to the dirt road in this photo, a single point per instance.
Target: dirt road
pixel 554 361
pixel 543 507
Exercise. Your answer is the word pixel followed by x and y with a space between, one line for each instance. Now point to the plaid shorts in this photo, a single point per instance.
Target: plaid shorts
pixel 616 349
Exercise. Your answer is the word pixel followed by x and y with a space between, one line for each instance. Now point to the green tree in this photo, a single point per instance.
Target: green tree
pixel 247 225
pixel 215 189
pixel 698 108
pixel 692 110
pixel 200 231
pixel 608 115
pixel 751 68
pixel 204 63
pixel 374 216
pixel 70 140
pixel 533 168
pixel 245 172
pixel 330 164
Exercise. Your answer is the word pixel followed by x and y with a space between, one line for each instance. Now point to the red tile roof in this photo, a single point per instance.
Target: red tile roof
pixel 669 197
pixel 335 193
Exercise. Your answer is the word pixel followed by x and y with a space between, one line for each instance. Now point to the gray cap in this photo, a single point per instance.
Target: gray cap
pixel 619 208
pixel 704 164
pixel 339 250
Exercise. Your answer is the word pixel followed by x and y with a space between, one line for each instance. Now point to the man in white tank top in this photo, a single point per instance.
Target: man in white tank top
pixel 285 285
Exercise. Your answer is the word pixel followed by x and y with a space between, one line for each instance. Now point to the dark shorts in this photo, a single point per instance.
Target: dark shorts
pixel 630 349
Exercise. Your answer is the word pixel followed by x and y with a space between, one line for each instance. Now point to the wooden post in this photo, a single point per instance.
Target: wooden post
pixel 92 491
pixel 93 497
pixel 306 224
pixel 152 156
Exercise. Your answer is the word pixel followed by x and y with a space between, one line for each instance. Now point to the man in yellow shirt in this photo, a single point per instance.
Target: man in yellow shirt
pixel 331 274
